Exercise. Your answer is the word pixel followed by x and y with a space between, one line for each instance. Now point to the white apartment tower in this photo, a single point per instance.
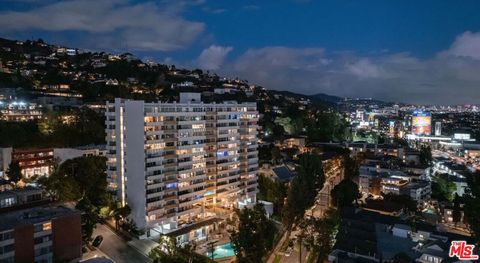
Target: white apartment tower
pixel 175 163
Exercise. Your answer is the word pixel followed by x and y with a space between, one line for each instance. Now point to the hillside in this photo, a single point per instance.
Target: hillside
pixel 32 70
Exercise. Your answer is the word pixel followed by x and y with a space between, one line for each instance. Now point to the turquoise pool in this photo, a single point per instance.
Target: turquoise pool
pixel 222 251
pixel 429 211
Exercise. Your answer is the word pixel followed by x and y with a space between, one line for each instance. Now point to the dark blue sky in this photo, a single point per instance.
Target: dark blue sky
pixel 420 27
pixel 356 44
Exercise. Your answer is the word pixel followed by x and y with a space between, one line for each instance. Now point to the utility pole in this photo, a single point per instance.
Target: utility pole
pixel 300 237
pixel 212 249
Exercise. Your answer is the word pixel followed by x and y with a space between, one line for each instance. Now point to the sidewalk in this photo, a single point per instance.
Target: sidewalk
pixel 278 247
pixel 143 246
pixel 96 253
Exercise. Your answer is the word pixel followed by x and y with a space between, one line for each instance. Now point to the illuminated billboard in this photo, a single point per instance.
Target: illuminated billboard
pixel 421 123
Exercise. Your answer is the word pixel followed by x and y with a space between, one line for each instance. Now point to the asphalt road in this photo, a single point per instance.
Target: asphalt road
pixel 116 248
pixel 295 257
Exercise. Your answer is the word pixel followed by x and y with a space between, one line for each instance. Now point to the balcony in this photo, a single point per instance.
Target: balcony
pixel 170 206
pixel 170 165
pixel 167 198
pixel 170 190
pixel 170 180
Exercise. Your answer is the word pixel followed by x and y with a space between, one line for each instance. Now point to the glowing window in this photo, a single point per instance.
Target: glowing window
pixel 47 226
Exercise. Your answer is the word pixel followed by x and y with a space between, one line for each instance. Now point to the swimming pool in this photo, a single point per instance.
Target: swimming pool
pixel 429 211
pixel 222 251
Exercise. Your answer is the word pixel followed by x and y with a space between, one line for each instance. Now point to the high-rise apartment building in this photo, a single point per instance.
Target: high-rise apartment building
pixel 438 128
pixel 178 164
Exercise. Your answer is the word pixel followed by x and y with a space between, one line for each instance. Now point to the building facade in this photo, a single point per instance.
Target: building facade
pixel 34 161
pixel 19 111
pixel 176 164
pixel 41 234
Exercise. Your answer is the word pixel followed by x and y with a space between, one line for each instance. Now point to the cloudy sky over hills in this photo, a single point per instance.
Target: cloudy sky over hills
pixel 426 52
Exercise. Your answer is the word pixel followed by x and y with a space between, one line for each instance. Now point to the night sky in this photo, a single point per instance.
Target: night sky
pixel 404 51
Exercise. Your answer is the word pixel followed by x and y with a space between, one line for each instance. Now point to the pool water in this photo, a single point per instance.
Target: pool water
pixel 429 211
pixel 222 251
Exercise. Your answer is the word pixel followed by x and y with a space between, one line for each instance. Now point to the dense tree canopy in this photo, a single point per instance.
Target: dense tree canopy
pixel 425 155
pixel 14 172
pixel 272 191
pixel 406 201
pixel 254 236
pixel 82 180
pixel 169 251
pixel 443 188
pixel 456 213
pixel 472 205
pixel 318 234
pixel 86 127
pixel 345 193
pixel 304 187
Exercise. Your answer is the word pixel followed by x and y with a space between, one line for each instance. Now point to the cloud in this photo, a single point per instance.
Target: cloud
pixel 213 57
pixel 466 45
pixel 449 77
pixel 111 23
pixel 363 68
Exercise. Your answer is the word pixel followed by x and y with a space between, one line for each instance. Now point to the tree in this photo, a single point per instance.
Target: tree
pixel 443 188
pixel 90 217
pixel 318 234
pixel 406 201
pixel 472 205
pixel 456 213
pixel 169 251
pixel 272 191
pixel 130 226
pixel 286 123
pixel 121 213
pixel 82 180
pixel 304 187
pixel 14 172
pixel 276 155
pixel 59 186
pixel 345 193
pixel 350 166
pixel 425 155
pixel 254 236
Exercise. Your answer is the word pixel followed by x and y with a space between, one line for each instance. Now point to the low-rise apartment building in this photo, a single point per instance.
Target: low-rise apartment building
pixel 376 180
pixel 41 234
pixel 19 111
pixel 33 161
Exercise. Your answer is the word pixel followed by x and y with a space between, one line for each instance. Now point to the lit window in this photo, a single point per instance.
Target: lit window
pixel 47 226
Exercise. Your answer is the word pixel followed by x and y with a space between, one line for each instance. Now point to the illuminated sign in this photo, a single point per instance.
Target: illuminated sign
pixel 421 123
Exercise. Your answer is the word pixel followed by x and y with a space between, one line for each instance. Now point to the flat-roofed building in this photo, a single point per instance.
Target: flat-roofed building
pixel 173 163
pixel 41 234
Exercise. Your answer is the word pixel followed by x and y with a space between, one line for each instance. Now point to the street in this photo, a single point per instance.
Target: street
pixel 279 252
pixel 294 257
pixel 117 248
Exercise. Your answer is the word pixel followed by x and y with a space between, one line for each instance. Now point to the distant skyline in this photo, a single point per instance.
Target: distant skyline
pixel 402 51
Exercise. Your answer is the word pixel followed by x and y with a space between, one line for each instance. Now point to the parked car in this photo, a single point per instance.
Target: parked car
pixel 97 241
pixel 288 251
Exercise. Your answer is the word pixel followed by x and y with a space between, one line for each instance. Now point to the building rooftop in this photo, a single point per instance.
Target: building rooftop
pixel 389 245
pixel 35 215
pixel 283 173
pixel 418 184
pixel 188 228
